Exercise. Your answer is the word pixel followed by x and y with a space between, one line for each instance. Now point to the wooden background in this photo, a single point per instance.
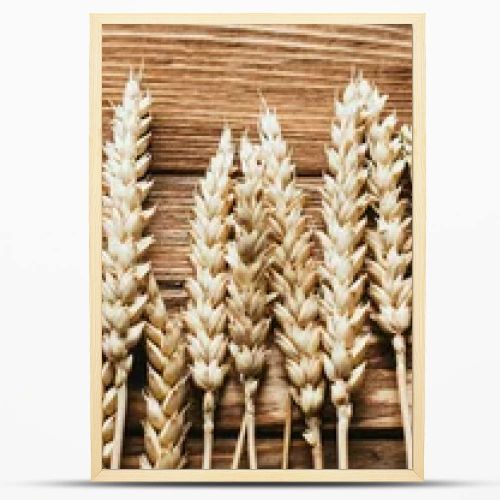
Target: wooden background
pixel 201 77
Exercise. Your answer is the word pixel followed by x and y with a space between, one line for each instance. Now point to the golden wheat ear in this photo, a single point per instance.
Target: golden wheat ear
pixel 293 278
pixel 123 267
pixel 344 202
pixel 205 316
pixel 248 297
pixel 390 245
pixel 165 425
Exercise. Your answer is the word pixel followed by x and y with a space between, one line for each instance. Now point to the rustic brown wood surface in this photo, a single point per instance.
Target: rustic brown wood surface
pixel 201 77
pixel 365 453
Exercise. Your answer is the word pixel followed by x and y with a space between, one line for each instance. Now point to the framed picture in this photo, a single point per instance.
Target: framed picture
pixel 257 247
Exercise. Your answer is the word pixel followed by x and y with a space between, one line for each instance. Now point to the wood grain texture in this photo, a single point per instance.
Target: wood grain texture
pixel 364 453
pixel 201 77
pixel 204 76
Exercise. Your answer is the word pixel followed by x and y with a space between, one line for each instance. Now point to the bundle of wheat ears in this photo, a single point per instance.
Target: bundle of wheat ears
pixel 253 266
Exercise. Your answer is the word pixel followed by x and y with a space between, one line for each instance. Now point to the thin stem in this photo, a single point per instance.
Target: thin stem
pixel 239 444
pixel 343 416
pixel 250 389
pixel 119 426
pixel 314 427
pixel 208 429
pixel 287 431
pixel 400 350
pixel 252 452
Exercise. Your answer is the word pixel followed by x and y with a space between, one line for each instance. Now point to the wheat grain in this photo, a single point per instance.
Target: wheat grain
pixel 123 267
pixel 344 202
pixel 391 245
pixel 206 313
pixel 248 298
pixel 406 138
pixel 166 425
pixel 293 277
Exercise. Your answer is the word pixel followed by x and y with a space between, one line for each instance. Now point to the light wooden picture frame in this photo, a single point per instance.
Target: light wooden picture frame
pixel 114 48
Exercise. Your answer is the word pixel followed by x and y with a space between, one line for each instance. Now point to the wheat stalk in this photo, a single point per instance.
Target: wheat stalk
pixel 123 267
pixel 248 298
pixel 206 313
pixel 293 277
pixel 344 201
pixel 391 245
pixel 165 427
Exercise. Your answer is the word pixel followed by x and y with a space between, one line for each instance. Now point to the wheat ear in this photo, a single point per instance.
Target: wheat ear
pixel 248 298
pixel 123 267
pixel 391 246
pixel 165 427
pixel 293 277
pixel 344 201
pixel 206 313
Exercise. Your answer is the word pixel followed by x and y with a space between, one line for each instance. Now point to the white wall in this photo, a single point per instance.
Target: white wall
pixel 44 443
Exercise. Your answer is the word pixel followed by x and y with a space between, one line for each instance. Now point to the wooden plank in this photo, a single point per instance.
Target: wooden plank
pixel 203 76
pixel 364 453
